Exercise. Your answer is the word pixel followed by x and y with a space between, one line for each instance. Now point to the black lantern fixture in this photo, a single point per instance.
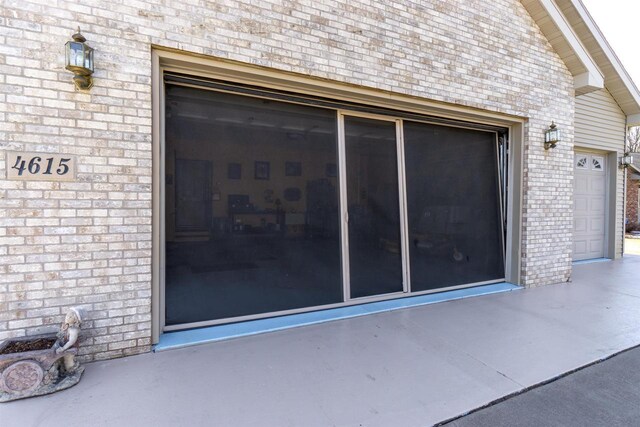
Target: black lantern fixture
pixel 79 60
pixel 551 136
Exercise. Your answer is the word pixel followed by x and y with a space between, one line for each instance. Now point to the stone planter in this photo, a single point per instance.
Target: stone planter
pixel 30 366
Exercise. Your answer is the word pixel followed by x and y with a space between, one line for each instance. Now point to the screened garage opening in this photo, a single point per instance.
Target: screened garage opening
pixel 281 204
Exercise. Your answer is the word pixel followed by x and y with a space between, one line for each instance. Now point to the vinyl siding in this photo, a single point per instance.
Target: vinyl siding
pixel 600 124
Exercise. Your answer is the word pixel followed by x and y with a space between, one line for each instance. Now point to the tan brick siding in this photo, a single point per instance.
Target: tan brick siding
pixel 88 242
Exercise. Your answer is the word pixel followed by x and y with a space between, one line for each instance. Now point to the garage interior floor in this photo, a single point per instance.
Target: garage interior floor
pixel 253 274
pixel 410 367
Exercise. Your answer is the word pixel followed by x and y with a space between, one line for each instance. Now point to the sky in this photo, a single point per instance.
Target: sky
pixel 619 21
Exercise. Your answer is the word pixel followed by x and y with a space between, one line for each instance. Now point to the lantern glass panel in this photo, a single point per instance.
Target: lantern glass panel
pixel 75 54
pixel 88 58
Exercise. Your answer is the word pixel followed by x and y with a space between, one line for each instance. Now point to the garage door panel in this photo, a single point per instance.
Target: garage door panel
pixel 580 225
pixel 581 204
pixel 595 245
pixel 581 185
pixel 597 205
pixel 596 225
pixel 597 184
pixel 579 248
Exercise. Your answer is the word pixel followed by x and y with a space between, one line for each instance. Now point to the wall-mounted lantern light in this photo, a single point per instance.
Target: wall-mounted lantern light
pixel 626 160
pixel 79 60
pixel 551 136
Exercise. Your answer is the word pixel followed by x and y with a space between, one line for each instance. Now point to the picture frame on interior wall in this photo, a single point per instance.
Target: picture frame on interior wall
pixel 234 171
pixel 292 168
pixel 262 170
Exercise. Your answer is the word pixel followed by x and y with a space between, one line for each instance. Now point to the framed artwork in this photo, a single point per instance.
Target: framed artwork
pixel 292 168
pixel 234 171
pixel 262 170
pixel 331 170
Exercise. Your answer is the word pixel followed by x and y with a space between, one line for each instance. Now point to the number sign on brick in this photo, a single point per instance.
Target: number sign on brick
pixel 40 166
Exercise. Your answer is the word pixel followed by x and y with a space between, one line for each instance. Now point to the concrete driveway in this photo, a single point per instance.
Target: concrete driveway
pixel 632 246
pixel 411 367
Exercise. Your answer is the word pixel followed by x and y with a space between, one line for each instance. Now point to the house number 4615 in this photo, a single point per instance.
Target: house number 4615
pixel 34 166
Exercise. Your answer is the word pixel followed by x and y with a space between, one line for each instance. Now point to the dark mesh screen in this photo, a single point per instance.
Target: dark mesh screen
pixel 453 206
pixel 373 203
pixel 251 206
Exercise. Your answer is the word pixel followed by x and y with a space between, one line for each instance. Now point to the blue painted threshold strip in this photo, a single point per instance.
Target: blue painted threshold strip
pixel 591 261
pixel 179 339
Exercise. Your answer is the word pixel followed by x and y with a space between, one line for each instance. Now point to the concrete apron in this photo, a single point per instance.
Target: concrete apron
pixel 410 367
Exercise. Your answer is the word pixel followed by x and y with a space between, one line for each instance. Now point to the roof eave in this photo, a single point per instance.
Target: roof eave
pixel 560 34
pixel 616 78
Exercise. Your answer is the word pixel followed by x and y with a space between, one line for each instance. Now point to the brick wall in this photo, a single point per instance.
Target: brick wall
pixel 88 242
pixel 631 219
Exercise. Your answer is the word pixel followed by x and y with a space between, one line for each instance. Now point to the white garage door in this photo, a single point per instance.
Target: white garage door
pixel 590 193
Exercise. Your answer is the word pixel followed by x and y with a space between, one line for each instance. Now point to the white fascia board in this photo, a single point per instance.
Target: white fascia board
pixel 611 55
pixel 590 80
